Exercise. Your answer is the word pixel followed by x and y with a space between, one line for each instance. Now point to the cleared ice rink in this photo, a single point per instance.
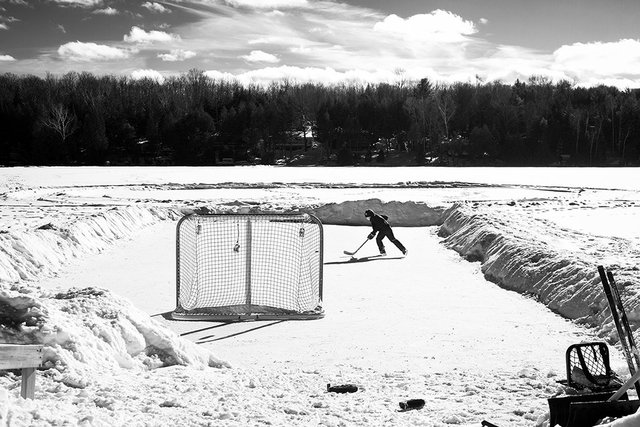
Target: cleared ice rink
pixel 428 312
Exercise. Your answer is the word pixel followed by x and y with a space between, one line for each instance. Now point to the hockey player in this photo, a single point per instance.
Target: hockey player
pixel 382 227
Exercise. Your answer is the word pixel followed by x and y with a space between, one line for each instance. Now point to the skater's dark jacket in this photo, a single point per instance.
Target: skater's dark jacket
pixel 379 222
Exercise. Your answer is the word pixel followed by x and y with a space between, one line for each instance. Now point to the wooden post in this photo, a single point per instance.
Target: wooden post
pixel 25 357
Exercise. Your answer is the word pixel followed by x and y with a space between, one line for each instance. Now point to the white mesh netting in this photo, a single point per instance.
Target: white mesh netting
pixel 243 264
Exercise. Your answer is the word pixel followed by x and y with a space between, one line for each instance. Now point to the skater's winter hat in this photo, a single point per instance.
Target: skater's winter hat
pixel 368 213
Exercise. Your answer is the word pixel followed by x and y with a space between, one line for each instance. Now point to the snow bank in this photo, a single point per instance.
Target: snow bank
pixel 25 255
pixel 516 258
pixel 86 332
pixel 401 214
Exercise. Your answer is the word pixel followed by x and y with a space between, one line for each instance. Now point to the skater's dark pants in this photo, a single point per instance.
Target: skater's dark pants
pixel 388 233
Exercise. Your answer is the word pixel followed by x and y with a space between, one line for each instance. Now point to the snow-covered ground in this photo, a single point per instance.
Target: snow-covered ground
pixel 87 267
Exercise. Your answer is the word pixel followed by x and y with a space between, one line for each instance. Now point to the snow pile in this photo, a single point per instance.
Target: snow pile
pixel 87 333
pixel 401 214
pixel 516 258
pixel 25 255
pixel 90 330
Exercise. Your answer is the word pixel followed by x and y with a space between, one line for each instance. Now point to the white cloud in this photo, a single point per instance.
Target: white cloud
pixel 275 13
pixel 264 40
pixel 79 3
pixel 301 49
pixel 260 56
pixel 326 75
pixel 177 55
pixel 147 74
pixel 106 11
pixel 138 35
pixel 220 75
pixel 7 58
pixel 598 59
pixel 155 7
pixel 85 52
pixel 9 19
pixel 437 26
pixel 484 21
pixel 269 4
pixel 3 26
pixel 62 29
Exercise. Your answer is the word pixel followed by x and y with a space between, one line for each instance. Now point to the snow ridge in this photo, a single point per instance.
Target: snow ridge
pixel 84 330
pixel 568 285
pixel 401 214
pixel 25 255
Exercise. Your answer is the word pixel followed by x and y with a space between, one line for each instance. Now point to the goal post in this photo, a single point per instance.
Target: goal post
pixel 233 267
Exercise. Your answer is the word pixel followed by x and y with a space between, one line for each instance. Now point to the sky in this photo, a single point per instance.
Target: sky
pixel 587 42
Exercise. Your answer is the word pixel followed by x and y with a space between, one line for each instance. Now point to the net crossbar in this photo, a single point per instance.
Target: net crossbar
pixel 253 266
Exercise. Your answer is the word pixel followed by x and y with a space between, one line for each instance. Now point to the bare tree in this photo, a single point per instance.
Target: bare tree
pixel 61 121
pixel 401 77
pixel 446 106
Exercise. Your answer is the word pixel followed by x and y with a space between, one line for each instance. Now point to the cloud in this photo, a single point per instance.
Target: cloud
pixel 325 75
pixel 155 7
pixel 3 26
pixel 260 56
pixel 603 60
pixel 106 11
pixel 264 40
pixel 177 55
pixel 86 52
pixel 78 3
pixel 138 35
pixel 7 58
pixel 505 63
pixel 437 26
pixel 268 4
pixel 147 74
pixel 484 21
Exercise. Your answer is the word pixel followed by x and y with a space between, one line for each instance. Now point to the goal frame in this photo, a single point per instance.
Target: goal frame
pixel 256 313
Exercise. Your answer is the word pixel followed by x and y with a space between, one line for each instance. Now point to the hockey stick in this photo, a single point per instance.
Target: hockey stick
pixel 625 320
pixel 616 319
pixel 626 386
pixel 354 252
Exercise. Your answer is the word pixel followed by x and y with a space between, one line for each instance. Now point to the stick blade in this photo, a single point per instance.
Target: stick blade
pixel 348 252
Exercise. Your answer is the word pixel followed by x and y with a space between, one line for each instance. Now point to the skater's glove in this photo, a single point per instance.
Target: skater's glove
pixel 371 235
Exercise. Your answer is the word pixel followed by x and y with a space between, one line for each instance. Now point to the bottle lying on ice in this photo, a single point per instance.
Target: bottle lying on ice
pixel 412 404
pixel 344 388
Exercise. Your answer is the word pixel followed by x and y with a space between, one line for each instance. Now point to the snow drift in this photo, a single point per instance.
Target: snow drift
pixel 511 256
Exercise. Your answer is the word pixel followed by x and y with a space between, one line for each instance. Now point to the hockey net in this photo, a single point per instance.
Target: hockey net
pixel 240 267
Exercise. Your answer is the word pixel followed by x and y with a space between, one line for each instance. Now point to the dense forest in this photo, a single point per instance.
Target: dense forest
pixel 83 119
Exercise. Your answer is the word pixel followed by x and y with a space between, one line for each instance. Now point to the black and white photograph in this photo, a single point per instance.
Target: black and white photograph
pixel 325 213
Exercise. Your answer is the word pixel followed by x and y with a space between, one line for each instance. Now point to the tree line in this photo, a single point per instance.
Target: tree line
pixel 84 119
